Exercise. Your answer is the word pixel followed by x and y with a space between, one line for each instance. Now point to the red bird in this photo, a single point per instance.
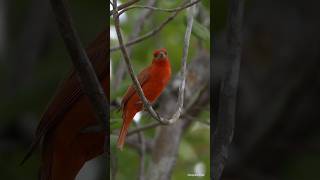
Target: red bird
pixel 153 80
pixel 64 148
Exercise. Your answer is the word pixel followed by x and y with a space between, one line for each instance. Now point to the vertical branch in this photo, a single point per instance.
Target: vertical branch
pixel 83 67
pixel 228 92
pixel 142 152
pixel 125 55
pixel 136 83
pixel 167 140
pixel 136 31
pixel 113 162
pixel 186 43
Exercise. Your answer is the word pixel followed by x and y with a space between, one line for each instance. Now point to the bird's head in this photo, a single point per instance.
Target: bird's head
pixel 160 54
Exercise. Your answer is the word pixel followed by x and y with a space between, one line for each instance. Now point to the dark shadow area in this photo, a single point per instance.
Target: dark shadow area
pixel 276 134
pixel 33 60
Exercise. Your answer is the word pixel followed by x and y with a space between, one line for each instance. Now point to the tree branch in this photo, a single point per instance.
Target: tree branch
pixel 149 34
pixel 146 13
pixel 159 9
pixel 142 152
pixel 136 83
pixel 83 66
pixel 133 142
pixel 168 138
pixel 143 128
pixel 113 165
pixel 222 138
pixel 122 6
pixel 190 105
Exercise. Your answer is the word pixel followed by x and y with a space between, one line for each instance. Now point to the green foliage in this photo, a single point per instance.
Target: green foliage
pixel 194 147
pixel 200 31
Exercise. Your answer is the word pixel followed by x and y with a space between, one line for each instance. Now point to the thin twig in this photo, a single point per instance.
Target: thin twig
pixel 136 83
pixel 150 33
pixel 144 15
pixel 190 105
pixel 83 66
pixel 187 36
pixel 168 138
pixel 148 126
pixel 122 6
pixel 158 9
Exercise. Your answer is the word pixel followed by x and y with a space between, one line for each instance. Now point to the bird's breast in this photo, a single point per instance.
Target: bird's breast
pixel 159 79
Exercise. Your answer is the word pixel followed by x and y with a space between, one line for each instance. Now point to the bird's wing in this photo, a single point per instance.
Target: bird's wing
pixel 70 90
pixel 142 78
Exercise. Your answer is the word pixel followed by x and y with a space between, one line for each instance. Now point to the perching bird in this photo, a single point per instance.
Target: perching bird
pixel 153 80
pixel 64 148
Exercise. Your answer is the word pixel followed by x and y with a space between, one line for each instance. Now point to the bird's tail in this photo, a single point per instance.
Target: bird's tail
pixel 124 129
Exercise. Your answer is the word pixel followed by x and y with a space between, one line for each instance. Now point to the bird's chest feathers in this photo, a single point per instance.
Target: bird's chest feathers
pixel 160 74
pixel 159 78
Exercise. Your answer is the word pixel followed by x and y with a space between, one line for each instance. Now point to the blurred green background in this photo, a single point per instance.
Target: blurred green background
pixel 194 150
pixel 33 60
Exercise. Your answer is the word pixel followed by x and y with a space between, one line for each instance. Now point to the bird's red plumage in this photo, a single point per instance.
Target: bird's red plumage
pixel 64 149
pixel 153 80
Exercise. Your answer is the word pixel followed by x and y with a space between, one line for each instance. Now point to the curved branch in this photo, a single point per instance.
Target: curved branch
pixel 168 138
pixel 191 103
pixel 144 15
pixel 158 9
pixel 142 154
pixel 122 6
pixel 136 83
pixel 150 33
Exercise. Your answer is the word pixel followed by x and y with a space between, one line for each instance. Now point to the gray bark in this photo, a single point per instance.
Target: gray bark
pixel 167 140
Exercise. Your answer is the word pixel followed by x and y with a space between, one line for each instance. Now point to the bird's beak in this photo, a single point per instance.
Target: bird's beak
pixel 161 55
